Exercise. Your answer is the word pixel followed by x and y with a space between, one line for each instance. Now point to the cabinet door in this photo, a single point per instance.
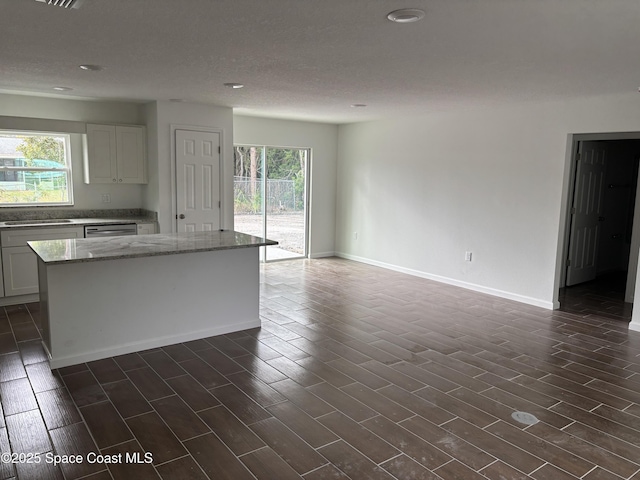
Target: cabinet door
pixel 100 154
pixel 131 153
pixel 146 228
pixel 20 271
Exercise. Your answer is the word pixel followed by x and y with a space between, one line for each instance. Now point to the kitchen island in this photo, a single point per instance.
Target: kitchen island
pixel 102 297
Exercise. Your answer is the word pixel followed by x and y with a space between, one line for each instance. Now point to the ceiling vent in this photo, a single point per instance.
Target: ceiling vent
pixel 62 3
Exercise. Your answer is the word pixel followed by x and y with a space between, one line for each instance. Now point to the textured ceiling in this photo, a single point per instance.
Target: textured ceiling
pixel 312 59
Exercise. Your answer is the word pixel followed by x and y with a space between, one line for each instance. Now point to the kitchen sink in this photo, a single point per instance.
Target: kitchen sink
pixel 38 222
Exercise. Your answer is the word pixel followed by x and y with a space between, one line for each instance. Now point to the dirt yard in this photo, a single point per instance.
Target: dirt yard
pixel 285 228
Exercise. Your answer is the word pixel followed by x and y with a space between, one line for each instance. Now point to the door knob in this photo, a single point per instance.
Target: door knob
pixel 181 216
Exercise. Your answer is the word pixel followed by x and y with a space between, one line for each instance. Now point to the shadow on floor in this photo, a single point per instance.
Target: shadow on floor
pixel 603 297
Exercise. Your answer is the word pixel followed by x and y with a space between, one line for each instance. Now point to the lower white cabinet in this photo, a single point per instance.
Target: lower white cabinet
pixel 146 228
pixel 19 263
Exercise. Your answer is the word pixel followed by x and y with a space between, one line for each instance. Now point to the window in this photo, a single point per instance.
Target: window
pixel 35 169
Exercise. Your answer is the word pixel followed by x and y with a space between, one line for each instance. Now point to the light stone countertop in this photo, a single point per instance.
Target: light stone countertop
pixel 71 222
pixel 76 250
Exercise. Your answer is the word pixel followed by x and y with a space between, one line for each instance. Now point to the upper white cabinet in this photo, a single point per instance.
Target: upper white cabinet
pixel 115 154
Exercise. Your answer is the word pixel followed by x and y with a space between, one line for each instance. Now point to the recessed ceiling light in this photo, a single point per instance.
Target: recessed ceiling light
pixel 233 85
pixel 91 68
pixel 62 89
pixel 406 15
pixel 358 105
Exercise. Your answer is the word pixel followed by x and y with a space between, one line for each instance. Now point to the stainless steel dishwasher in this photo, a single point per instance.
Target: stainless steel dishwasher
pixel 113 230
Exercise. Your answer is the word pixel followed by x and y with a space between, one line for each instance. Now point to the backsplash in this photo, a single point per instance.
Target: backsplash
pixel 42 214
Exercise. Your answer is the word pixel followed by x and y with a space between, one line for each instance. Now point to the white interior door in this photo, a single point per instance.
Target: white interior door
pixel 197 181
pixel 586 213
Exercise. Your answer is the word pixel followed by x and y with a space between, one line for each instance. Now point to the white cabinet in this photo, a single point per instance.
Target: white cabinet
pixel 19 263
pixel 146 228
pixel 115 154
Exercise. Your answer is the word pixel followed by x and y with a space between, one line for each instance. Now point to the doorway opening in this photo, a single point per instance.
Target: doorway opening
pixel 601 237
pixel 271 188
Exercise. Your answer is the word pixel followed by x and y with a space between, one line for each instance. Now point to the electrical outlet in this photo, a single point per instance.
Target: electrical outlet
pixel 467 256
pixel 106 198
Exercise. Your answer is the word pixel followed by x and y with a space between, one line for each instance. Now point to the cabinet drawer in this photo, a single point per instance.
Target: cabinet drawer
pixel 20 237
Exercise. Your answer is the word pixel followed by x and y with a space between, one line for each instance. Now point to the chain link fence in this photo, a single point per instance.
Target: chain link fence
pixel 280 197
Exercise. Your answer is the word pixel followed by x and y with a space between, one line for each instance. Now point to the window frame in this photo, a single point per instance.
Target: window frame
pixel 67 169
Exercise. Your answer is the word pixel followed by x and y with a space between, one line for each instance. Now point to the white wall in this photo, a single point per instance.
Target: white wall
pixel 40 112
pixel 422 191
pixel 160 117
pixel 323 141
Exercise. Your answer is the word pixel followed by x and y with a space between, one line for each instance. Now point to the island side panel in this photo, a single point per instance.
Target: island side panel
pixel 106 308
pixel 44 305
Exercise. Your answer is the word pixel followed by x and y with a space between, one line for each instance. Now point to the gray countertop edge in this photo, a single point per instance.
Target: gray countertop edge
pixel 125 252
pixel 75 222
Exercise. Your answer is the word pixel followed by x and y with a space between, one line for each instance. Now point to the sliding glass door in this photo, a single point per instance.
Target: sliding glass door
pixel 271 196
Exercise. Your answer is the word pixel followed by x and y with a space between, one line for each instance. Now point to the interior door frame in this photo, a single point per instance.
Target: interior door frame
pixel 573 140
pixel 174 165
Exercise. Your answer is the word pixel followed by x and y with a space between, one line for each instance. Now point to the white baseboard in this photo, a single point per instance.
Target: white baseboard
pixel 451 281
pixel 322 255
pixel 634 326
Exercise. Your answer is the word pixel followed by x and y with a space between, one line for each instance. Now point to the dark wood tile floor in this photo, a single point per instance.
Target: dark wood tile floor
pixel 602 297
pixel 357 372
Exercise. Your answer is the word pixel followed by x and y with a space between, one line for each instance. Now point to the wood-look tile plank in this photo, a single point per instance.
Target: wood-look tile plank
pixel 240 404
pixel 28 433
pixel 11 367
pixel 163 364
pixel 17 396
pixel 600 423
pixel 156 437
pixel 295 371
pixel 352 462
pixel 194 394
pixel 366 442
pixel 182 421
pixel 457 471
pixel 265 464
pixel 583 449
pixel 218 360
pixel 493 445
pixel 403 466
pixel 106 370
pixel 300 456
pixel 454 446
pixel 42 378
pixel 84 388
pixel 75 440
pixel 32 352
pixel 216 460
pixel 326 472
pixel 358 373
pixel 130 470
pixel 256 389
pixel 536 446
pixel 377 402
pixel 501 471
pixel 7 469
pixel 410 444
pixel 184 468
pixel 42 471
pixel 149 383
pixel 456 407
pixel 126 398
pixel 105 424
pixel 236 435
pixel 307 428
pixel 303 399
pixel 57 408
pixel 342 402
